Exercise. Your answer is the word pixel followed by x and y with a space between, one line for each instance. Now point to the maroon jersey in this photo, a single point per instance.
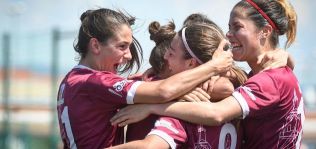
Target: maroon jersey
pixel 87 100
pixel 182 134
pixel 273 109
pixel 139 130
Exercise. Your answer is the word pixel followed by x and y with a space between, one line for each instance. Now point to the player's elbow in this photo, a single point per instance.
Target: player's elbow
pixel 214 117
pixel 214 120
pixel 219 120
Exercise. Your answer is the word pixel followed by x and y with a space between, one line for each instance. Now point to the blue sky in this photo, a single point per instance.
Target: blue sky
pixel 30 22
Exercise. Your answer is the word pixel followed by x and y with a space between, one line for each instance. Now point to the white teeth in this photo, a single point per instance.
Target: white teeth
pixel 235 44
pixel 236 48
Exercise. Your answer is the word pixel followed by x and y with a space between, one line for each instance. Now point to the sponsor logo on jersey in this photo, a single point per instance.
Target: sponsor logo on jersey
pixel 118 86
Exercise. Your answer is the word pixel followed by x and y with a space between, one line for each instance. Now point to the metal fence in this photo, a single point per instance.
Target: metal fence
pixel 31 68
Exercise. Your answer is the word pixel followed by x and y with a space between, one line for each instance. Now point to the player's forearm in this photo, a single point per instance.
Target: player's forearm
pixel 211 114
pixel 175 86
pixel 194 112
pixel 181 83
pixel 131 145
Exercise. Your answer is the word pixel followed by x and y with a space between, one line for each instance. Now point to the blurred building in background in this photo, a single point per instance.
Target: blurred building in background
pixel 36 44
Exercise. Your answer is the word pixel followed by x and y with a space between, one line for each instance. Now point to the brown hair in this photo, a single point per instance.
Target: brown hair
pixel 197 18
pixel 102 25
pixel 162 36
pixel 203 40
pixel 280 12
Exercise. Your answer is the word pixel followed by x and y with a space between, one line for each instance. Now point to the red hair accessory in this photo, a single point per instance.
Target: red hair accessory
pixel 253 4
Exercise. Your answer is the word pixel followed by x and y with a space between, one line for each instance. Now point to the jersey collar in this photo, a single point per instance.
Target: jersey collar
pixel 82 67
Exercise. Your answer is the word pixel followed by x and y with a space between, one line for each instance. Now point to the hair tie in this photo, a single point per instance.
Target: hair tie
pixel 253 4
pixel 188 48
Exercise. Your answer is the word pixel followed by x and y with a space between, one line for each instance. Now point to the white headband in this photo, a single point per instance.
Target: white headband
pixel 188 48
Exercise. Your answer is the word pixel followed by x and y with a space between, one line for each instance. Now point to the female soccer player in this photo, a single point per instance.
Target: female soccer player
pixel 270 99
pixel 92 92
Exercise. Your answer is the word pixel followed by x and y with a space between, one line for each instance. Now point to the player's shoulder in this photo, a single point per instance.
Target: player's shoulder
pixel 86 76
pixel 280 75
pixel 278 71
pixel 271 74
pixel 103 77
pixel 272 79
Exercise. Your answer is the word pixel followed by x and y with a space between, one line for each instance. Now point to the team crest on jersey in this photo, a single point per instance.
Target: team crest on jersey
pixel 202 141
pixel 118 86
pixel 289 137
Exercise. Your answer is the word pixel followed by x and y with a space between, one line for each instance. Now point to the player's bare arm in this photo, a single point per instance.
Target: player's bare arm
pixel 275 59
pixel 221 89
pixel 205 113
pixel 150 142
pixel 177 85
pixel 202 113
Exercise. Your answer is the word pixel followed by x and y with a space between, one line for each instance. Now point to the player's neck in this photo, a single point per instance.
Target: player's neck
pixel 87 63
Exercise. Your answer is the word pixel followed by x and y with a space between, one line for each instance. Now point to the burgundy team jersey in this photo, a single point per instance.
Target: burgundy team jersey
pixel 181 134
pixel 87 100
pixel 139 130
pixel 273 109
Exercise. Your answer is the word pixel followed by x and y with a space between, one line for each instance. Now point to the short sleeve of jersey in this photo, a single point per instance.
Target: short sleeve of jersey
pixel 112 88
pixel 171 130
pixel 258 95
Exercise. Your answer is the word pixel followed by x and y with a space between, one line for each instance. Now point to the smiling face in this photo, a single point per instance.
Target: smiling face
pixel 243 36
pixel 174 56
pixel 116 50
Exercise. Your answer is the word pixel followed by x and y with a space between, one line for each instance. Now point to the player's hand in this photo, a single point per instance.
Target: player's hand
pixel 275 59
pixel 196 95
pixel 208 85
pixel 148 74
pixel 136 76
pixel 223 59
pixel 131 114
